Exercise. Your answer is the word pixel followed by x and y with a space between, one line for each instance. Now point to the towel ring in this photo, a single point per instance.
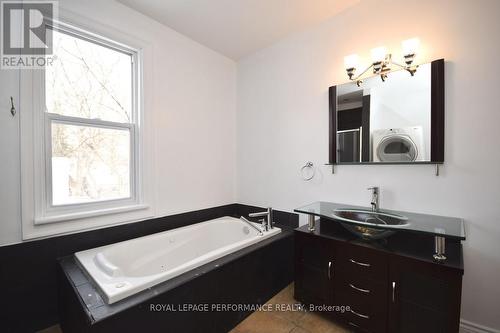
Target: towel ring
pixel 308 168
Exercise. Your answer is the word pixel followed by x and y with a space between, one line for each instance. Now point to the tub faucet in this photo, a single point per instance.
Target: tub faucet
pixel 268 214
pixel 251 225
pixel 375 198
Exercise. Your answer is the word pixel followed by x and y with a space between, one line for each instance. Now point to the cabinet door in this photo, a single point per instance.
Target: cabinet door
pixel 313 269
pixel 423 298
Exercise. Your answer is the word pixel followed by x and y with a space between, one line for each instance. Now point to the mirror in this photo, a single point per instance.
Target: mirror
pixel 397 121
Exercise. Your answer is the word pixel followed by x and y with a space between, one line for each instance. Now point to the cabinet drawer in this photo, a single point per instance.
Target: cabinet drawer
pixel 361 292
pixel 366 299
pixel 361 261
pixel 374 324
pixel 362 317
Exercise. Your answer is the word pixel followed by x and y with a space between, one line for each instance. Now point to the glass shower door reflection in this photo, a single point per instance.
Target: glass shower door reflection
pixel 349 147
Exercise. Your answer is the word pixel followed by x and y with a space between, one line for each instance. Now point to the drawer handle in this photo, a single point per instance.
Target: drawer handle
pixel 393 291
pixel 329 270
pixel 353 324
pixel 366 291
pixel 360 315
pixel 359 263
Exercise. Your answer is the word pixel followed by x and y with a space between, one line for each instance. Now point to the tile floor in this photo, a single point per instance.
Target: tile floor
pixel 53 329
pixel 276 321
pixel 287 321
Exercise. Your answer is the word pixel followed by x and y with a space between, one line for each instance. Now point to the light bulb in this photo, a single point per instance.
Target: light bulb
pixel 351 61
pixel 410 46
pixel 378 54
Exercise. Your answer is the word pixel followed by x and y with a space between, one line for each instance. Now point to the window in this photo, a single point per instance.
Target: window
pixel 90 119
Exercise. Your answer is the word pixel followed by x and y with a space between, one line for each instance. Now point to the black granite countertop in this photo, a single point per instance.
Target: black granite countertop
pixel 417 246
pixel 449 227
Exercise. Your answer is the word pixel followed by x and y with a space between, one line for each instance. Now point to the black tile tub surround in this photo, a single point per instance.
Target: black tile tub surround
pixel 286 219
pixel 249 276
pixel 28 271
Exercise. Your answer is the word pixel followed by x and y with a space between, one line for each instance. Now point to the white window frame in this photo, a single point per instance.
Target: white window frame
pixel 51 213
pixel 40 217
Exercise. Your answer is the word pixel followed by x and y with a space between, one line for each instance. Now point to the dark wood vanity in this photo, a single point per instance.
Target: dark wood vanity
pixel 396 272
pixel 390 285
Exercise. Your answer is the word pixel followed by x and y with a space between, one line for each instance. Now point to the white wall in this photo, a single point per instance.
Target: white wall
pixel 190 97
pixel 282 122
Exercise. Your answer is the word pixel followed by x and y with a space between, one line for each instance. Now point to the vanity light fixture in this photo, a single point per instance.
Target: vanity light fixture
pixel 382 61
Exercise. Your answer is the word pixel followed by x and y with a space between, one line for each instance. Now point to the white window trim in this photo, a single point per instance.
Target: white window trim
pixel 49 213
pixel 39 219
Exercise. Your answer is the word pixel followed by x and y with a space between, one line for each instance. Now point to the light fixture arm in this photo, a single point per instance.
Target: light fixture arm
pixel 411 69
pixel 382 62
pixel 382 68
pixel 358 77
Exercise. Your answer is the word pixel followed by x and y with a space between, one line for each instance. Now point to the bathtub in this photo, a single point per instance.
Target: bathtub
pixel 122 269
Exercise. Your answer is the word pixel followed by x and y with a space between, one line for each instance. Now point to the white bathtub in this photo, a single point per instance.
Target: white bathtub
pixel 128 267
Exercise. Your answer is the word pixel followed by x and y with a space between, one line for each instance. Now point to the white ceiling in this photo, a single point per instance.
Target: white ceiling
pixel 237 28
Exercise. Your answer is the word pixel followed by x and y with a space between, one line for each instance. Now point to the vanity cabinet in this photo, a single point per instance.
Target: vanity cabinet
pixel 424 299
pixel 313 270
pixel 389 286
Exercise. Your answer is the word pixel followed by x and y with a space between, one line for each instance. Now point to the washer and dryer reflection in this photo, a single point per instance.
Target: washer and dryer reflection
pixel 398 145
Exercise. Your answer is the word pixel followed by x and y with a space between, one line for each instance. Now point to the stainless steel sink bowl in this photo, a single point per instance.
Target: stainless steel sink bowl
pixel 369 224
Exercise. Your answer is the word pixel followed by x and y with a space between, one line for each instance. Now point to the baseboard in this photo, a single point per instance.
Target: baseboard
pixel 470 327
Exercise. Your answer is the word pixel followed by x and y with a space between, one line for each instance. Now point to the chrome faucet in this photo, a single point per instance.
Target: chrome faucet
pixel 260 232
pixel 375 198
pixel 268 214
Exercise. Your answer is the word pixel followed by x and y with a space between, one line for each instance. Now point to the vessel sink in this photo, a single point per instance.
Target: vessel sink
pixel 369 224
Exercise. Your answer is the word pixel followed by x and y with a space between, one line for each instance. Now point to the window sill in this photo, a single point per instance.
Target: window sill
pixel 87 214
